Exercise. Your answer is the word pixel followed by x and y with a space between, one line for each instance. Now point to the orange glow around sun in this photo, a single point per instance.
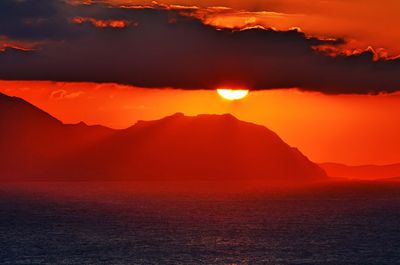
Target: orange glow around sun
pixel 232 94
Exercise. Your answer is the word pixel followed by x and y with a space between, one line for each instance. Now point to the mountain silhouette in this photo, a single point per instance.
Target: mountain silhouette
pixel 370 172
pixel 31 139
pixel 177 147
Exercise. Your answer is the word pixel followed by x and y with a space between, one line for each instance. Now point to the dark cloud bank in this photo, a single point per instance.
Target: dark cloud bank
pixel 161 48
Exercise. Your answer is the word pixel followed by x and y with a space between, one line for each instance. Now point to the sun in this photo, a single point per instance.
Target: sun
pixel 232 94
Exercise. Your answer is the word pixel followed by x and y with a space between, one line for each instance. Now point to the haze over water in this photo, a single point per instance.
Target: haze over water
pixel 103 223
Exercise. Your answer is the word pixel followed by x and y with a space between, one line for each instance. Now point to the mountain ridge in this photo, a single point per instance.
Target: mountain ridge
pixel 177 147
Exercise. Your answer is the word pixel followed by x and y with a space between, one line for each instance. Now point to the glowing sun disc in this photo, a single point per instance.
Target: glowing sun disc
pixel 233 94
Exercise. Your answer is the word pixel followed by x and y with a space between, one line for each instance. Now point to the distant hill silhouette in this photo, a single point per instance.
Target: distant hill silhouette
pixel 371 172
pixel 34 145
pixel 31 139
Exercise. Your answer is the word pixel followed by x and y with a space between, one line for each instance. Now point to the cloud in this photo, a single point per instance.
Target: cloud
pixel 63 94
pixel 160 47
pixel 102 23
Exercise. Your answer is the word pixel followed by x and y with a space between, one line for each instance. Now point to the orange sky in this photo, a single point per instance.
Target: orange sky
pixel 352 129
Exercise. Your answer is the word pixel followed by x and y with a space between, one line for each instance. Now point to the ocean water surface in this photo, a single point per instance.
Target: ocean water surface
pixel 86 223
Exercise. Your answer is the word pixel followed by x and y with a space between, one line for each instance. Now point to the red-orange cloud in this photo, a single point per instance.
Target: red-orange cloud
pixel 99 23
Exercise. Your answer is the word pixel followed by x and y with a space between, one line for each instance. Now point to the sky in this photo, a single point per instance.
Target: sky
pixel 322 74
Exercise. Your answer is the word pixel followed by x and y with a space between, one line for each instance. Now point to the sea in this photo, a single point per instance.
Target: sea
pixel 108 223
